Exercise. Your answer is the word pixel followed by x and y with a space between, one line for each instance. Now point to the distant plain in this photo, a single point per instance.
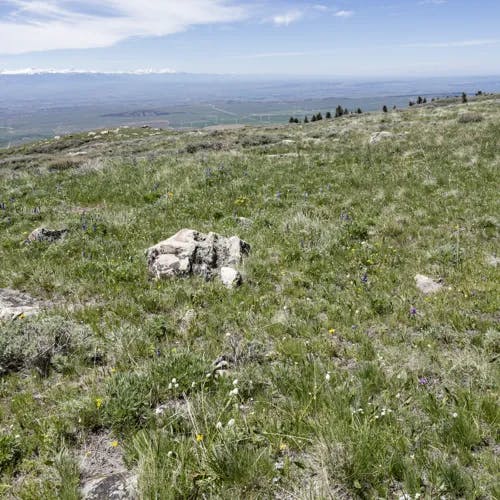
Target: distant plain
pixel 34 107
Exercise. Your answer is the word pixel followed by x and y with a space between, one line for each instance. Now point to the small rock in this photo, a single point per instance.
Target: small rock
pixel 14 304
pixel 221 367
pixel 379 136
pixel 186 320
pixel 118 486
pixel 427 285
pixel 244 221
pixel 104 475
pixel 230 277
pixel 492 260
pixel 47 235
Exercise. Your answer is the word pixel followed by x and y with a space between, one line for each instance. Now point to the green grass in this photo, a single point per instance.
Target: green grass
pixel 342 391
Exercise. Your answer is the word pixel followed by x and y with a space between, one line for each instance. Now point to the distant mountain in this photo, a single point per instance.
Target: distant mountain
pixel 72 71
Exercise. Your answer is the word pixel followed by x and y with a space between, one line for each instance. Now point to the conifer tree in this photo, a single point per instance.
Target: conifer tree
pixel 328 115
pixel 306 120
pixel 384 109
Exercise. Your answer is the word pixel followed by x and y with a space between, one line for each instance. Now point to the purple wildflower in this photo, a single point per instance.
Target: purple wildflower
pixel 413 311
pixel 364 278
pixel 423 380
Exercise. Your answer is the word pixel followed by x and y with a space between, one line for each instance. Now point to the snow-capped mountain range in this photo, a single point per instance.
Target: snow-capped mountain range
pixel 72 71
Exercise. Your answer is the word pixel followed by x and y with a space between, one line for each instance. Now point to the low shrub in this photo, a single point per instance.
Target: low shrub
pixel 44 343
pixel 470 118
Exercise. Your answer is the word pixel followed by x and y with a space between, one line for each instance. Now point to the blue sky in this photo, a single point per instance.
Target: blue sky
pixel 342 37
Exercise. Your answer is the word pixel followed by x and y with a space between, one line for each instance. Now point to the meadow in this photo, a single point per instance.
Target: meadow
pixel 326 374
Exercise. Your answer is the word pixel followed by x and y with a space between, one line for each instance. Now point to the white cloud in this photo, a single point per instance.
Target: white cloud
pixel 39 25
pixel 265 55
pixel 344 13
pixel 432 2
pixel 287 18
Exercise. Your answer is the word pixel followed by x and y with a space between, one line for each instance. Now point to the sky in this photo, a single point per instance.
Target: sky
pixel 359 38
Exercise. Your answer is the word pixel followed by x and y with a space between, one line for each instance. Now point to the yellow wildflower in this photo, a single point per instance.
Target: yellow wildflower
pixel 98 402
pixel 199 438
pixel 283 447
pixel 114 444
pixel 331 331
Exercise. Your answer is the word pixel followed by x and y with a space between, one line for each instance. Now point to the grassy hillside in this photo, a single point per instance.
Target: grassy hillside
pixel 351 383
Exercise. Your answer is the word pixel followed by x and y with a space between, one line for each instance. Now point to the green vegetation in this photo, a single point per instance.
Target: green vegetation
pixel 340 378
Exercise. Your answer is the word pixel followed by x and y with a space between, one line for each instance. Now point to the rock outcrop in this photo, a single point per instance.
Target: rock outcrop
pixel 190 252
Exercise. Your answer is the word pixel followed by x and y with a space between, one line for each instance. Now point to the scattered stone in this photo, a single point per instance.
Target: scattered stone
pixel 177 407
pixel 220 366
pixel 43 234
pixel 492 260
pixel 230 277
pixel 104 474
pixel 14 304
pixel 118 486
pixel 244 221
pixel 192 253
pixel 380 136
pixel 427 285
pixel 186 320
